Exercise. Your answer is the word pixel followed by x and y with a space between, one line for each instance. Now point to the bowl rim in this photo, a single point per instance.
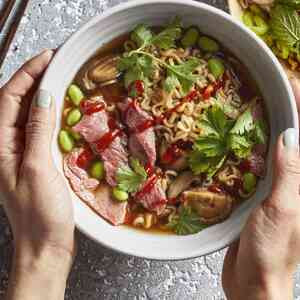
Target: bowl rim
pixel 213 10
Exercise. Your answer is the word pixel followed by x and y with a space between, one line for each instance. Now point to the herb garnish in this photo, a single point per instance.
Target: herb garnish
pixel 139 64
pixel 222 136
pixel 130 179
pixel 187 222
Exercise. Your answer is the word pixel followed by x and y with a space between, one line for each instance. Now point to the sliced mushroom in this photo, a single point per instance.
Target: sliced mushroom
pixel 99 71
pixel 104 70
pixel 181 183
pixel 211 207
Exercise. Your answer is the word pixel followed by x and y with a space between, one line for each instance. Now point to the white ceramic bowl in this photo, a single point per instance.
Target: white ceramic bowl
pixel 261 63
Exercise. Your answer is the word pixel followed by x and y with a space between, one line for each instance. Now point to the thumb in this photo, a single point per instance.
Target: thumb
pixel 286 178
pixel 39 127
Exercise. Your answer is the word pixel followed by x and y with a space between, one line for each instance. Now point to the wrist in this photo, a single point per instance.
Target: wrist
pixel 269 287
pixel 44 270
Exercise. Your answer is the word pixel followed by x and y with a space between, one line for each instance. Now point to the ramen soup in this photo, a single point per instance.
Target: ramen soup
pixel 163 129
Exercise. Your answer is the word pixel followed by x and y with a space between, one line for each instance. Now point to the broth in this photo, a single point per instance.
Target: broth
pixel 157 124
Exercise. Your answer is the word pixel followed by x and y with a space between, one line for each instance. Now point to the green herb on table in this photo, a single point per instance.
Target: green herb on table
pixel 187 222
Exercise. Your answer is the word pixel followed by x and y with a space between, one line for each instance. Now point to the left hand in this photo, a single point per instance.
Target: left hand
pixel 37 201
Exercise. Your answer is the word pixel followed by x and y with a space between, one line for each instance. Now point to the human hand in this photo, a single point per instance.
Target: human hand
pixel 261 264
pixel 36 199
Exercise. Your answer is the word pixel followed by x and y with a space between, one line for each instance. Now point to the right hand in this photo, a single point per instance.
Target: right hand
pixel 260 265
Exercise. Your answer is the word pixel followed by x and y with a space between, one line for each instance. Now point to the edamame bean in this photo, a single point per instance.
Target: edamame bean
pixel 75 94
pixel 216 67
pixel 190 37
pixel 284 51
pixel 255 9
pixel 97 170
pixel 207 44
pixel 73 117
pixel 75 135
pixel 120 195
pixel 249 182
pixel 66 142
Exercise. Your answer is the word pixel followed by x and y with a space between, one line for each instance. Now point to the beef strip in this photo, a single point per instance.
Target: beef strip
pixel 96 195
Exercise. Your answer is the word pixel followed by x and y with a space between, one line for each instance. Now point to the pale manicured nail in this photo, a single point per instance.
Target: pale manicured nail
pixel 43 99
pixel 290 139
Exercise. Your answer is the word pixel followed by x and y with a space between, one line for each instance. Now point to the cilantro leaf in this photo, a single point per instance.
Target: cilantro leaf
pixel 166 38
pixel 291 3
pixel 240 145
pixel 136 67
pixel 285 25
pixel 183 73
pixel 130 180
pixel 210 146
pixel 170 83
pixel 141 35
pixel 244 123
pixel 214 122
pixel 138 168
pixel 200 163
pixel 187 222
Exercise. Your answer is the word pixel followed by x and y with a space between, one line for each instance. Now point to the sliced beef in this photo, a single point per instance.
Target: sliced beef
pixel 110 209
pixel 79 180
pixel 96 195
pixel 153 199
pixel 92 128
pixel 142 141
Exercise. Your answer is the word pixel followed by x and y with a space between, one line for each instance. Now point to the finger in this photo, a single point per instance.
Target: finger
pixel 229 263
pixel 39 128
pixel 285 188
pixel 14 92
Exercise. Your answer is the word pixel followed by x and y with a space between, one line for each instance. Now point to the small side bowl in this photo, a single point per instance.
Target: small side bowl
pixel 260 61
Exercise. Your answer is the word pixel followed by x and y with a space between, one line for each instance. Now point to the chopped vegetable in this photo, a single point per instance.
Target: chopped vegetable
pixel 249 182
pixel 190 37
pixel 186 222
pixel 97 170
pixel 207 44
pixel 130 179
pixel 66 142
pixel 73 117
pixel 216 67
pixel 120 195
pixel 75 94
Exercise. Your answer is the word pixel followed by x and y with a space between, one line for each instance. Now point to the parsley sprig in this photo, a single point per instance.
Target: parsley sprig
pixel 186 222
pixel 221 136
pixel 139 64
pixel 130 179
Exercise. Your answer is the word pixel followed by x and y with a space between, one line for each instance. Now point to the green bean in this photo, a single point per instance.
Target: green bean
pixel 73 117
pixel 207 44
pixel 120 195
pixel 249 182
pixel 97 170
pixel 66 142
pixel 190 37
pixel 75 94
pixel 216 67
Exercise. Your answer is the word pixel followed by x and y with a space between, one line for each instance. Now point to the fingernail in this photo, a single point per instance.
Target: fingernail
pixel 290 138
pixel 43 99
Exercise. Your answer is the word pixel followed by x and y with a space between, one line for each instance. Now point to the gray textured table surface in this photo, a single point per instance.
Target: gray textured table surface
pixel 99 273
